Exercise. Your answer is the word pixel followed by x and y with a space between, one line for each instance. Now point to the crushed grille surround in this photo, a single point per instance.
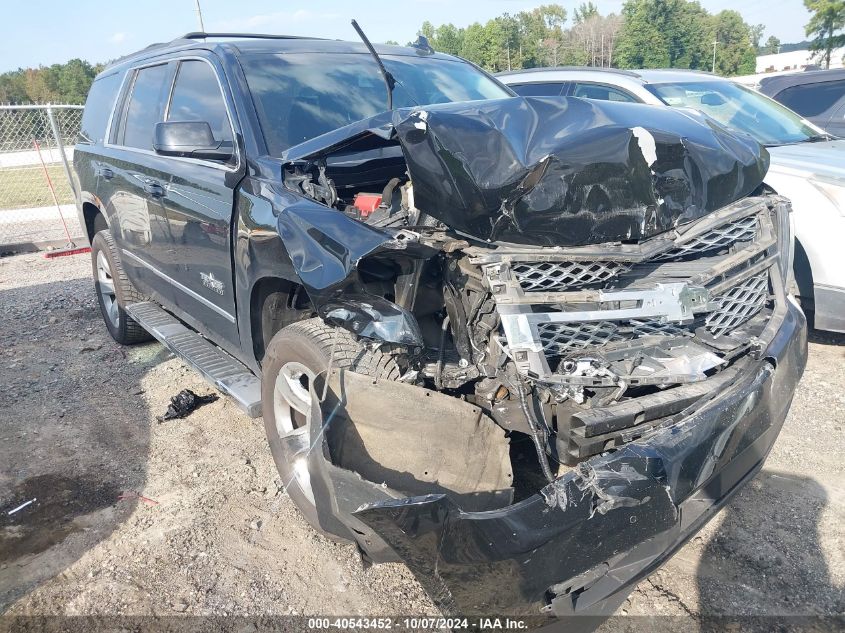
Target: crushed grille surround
pixel 557 303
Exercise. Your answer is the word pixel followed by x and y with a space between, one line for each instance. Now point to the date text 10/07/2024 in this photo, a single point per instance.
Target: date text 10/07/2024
pixel 419 623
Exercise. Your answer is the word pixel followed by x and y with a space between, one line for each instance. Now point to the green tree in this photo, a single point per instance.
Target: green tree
pixel 527 39
pixel 448 39
pixel 680 34
pixel 772 46
pixel 73 80
pixel 540 35
pixel 735 50
pixel 427 29
pixel 756 33
pixel 828 17
pixel 13 87
pixel 663 34
pixel 584 12
pixel 59 83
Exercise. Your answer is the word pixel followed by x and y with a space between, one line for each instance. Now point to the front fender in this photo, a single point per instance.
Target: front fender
pixel 325 248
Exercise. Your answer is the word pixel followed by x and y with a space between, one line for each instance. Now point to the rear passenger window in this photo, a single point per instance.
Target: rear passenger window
pixel 197 97
pixel 538 89
pixel 601 93
pixel 144 108
pixel 812 99
pixel 98 107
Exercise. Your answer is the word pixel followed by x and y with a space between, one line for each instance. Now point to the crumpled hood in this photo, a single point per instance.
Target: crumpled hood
pixel 551 171
pixel 567 172
pixel 811 159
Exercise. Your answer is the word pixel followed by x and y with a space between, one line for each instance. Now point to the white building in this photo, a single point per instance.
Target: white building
pixel 796 60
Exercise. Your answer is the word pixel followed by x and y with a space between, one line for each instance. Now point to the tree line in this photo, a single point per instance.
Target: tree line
pixel 646 34
pixel 59 83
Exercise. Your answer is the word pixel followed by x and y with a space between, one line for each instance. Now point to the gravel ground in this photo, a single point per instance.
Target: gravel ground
pixel 213 533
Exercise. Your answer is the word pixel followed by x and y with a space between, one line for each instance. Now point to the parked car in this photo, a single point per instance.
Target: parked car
pixel 807 164
pixel 529 361
pixel 817 95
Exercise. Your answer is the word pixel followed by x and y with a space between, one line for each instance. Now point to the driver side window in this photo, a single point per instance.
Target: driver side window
pixel 196 97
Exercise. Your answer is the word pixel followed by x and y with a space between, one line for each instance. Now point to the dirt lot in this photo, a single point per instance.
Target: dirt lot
pixel 217 535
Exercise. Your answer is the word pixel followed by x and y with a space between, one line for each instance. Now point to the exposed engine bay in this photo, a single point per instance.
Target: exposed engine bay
pixel 568 286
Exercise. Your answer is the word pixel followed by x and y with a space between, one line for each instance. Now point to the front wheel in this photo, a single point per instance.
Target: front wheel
pixel 114 291
pixel 296 361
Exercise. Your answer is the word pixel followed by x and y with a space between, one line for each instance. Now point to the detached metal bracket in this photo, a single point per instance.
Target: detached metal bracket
pixel 671 303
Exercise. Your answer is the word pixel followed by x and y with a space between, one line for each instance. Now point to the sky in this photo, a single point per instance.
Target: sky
pixel 40 32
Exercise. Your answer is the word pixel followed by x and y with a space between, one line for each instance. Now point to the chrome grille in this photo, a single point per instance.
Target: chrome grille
pixel 742 230
pixel 560 338
pixel 559 276
pixel 738 304
pixel 654 327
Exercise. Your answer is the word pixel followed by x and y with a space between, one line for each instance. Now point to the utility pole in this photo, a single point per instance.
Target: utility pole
pixel 712 70
pixel 602 49
pixel 199 16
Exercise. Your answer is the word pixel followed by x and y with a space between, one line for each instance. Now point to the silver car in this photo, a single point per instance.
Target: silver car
pixel 807 164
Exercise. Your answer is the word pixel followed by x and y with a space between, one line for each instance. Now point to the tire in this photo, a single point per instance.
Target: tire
pixel 114 291
pixel 300 353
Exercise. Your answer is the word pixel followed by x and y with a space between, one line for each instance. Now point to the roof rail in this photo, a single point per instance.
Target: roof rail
pixel 189 38
pixel 540 69
pixel 200 35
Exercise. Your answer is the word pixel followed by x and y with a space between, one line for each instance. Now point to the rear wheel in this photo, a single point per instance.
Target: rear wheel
pixel 297 359
pixel 114 291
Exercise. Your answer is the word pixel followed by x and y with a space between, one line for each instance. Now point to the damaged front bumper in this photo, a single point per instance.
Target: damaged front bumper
pixel 581 544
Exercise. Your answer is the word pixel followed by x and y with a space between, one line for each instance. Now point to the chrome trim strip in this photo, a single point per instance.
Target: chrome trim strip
pixel 181 287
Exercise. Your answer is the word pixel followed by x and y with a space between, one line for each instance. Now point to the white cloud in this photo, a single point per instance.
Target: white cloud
pixel 118 38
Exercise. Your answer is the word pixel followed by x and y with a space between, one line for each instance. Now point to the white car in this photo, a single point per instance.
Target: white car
pixel 807 164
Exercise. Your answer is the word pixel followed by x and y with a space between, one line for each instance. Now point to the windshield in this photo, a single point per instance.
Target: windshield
pixel 303 95
pixel 740 108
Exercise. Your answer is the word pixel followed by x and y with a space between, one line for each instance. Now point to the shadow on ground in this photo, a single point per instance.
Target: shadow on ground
pixel 767 560
pixel 72 440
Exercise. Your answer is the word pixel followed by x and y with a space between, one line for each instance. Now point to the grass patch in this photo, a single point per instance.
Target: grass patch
pixel 22 187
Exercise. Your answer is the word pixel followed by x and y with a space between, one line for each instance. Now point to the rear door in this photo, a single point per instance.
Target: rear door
pixel 198 204
pixel 129 171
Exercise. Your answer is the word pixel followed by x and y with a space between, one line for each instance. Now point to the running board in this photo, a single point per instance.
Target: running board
pixel 216 366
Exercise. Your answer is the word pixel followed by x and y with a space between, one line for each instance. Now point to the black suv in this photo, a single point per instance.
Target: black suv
pixel 817 95
pixel 527 345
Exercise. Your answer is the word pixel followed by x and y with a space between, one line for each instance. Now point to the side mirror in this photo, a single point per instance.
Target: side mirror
pixel 712 99
pixel 190 139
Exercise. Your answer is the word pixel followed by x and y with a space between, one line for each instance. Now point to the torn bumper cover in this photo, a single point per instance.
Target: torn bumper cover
pixel 580 545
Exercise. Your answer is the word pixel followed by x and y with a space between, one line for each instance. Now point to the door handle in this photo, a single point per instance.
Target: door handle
pixel 106 173
pixel 154 189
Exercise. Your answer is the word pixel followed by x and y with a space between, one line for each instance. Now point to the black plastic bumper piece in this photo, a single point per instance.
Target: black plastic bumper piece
pixel 581 545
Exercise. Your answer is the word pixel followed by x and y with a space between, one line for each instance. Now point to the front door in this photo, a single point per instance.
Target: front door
pixel 198 204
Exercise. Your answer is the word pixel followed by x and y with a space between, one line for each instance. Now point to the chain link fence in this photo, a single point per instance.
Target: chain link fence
pixel 37 202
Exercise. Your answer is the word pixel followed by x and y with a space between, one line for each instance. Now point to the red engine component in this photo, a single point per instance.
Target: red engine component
pixel 366 203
